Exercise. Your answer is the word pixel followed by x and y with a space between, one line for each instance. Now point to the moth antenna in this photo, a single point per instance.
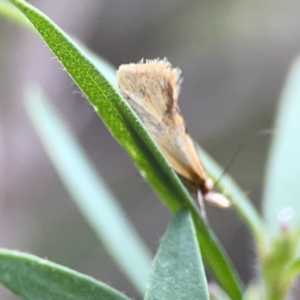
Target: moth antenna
pixel 239 148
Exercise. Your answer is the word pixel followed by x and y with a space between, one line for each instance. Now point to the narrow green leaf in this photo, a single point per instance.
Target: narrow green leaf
pixel 88 190
pixel 113 110
pixel 102 65
pixel 129 132
pixel 217 259
pixel 12 13
pixel 178 271
pixel 282 188
pixel 34 278
pixel 239 200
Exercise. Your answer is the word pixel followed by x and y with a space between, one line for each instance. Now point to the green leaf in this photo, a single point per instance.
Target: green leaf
pixel 12 13
pixel 129 132
pixel 113 110
pixel 88 191
pixel 239 200
pixel 103 66
pixel 282 188
pixel 34 278
pixel 178 271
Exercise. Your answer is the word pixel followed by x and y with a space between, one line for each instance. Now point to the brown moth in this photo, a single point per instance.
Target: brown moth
pixel 152 89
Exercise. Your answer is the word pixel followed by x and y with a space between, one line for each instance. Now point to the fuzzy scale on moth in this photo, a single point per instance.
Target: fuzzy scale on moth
pixel 152 89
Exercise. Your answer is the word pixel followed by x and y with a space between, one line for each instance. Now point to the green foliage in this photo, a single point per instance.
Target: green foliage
pixel 274 264
pixel 282 188
pixel 238 198
pixel 129 132
pixel 178 269
pixel 89 192
pixel 281 194
pixel 35 279
pixel 9 11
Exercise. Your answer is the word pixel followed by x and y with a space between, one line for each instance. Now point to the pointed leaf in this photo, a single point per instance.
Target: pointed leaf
pixel 34 278
pixel 130 133
pixel 282 188
pixel 178 272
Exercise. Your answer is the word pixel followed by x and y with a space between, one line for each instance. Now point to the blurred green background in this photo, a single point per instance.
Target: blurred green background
pixel 234 56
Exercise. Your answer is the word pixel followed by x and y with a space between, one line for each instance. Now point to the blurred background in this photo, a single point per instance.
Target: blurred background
pixel 234 56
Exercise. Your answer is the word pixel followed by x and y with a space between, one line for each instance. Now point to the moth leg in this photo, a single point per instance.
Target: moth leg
pixel 201 203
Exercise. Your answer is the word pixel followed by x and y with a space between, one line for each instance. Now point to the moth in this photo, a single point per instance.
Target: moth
pixel 152 89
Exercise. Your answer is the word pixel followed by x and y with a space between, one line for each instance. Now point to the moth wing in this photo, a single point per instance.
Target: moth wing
pixel 152 90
